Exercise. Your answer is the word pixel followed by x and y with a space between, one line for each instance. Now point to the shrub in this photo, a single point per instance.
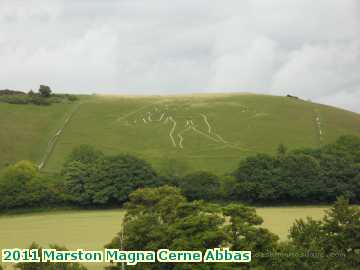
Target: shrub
pixel 200 186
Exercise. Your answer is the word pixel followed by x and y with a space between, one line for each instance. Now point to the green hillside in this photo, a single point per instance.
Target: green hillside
pixel 210 132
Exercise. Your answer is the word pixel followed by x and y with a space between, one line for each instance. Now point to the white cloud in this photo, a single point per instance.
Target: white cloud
pixel 309 48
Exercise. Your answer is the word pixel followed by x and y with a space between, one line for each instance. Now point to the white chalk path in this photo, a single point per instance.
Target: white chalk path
pixel 318 126
pixel 53 140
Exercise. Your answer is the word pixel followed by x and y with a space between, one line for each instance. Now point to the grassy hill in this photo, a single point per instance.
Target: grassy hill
pixel 200 132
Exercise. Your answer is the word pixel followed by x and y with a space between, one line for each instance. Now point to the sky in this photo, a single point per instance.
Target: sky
pixel 306 48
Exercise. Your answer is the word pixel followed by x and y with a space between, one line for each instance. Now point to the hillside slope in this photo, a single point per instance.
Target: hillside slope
pixel 26 130
pixel 200 132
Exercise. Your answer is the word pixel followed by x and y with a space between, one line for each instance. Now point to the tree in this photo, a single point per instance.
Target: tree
pixel 91 178
pixel 45 91
pixel 78 169
pixel 227 190
pixel 21 185
pixel 77 178
pixel 244 231
pixel 336 238
pixel 200 186
pixel 13 181
pixel 162 218
pixel 258 178
pixel 85 154
pixel 117 176
pixel 299 176
pixel 304 175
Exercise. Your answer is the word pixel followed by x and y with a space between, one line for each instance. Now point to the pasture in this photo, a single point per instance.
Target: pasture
pixel 91 230
pixel 25 130
pixel 200 132
pixel 209 132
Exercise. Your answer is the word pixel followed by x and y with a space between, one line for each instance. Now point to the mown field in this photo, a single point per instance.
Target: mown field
pixel 200 132
pixel 91 230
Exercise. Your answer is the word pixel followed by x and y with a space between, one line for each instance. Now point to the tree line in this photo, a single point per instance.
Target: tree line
pixel 89 178
pixel 44 96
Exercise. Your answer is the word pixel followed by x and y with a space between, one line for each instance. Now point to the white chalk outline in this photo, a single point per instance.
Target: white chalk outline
pixel 172 130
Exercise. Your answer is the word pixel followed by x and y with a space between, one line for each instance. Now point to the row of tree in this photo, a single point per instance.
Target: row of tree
pixel 44 96
pixel 91 179
pixel 307 175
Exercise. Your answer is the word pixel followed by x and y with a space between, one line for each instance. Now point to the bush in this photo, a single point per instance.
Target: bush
pixel 15 99
pixel 42 98
pixel 7 92
pixel 94 179
pixel 38 100
pixel 72 97
pixel 309 175
pixel 200 186
pixel 22 186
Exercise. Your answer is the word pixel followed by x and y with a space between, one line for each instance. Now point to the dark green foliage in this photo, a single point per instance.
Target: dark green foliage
pixel 44 91
pixel 44 97
pixel 85 153
pixel 78 171
pixel 117 176
pixel 16 99
pixel 6 92
pixel 49 265
pixel 243 232
pixel 200 186
pixel 77 177
pixel 162 218
pixel 330 244
pixel 310 175
pixel 72 97
pixel 227 190
pixel 258 178
pixel 38 100
pixel 94 179
pixel 22 186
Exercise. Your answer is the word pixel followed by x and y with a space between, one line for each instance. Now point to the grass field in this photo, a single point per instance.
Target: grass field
pixel 200 132
pixel 25 130
pixel 91 230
